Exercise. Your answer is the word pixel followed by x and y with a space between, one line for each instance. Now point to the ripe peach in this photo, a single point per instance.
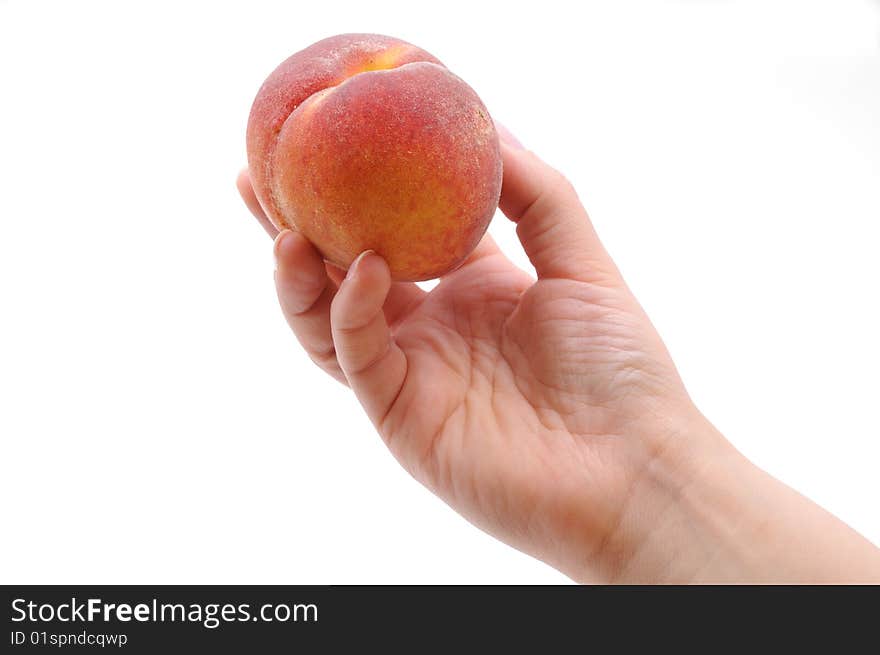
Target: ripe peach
pixel 365 142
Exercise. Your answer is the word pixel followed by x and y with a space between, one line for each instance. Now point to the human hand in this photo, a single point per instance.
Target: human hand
pixel 547 412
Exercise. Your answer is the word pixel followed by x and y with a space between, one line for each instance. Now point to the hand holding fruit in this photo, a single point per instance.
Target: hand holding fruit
pixel 548 412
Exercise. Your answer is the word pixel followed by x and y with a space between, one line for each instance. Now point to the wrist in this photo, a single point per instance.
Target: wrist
pixel 684 517
pixel 700 512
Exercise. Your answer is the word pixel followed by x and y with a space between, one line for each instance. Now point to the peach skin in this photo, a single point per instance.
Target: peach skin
pixel 365 142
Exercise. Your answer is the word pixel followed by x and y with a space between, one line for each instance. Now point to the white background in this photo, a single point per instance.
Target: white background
pixel 158 421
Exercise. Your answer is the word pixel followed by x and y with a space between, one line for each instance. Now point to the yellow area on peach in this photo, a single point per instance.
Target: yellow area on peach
pixel 381 61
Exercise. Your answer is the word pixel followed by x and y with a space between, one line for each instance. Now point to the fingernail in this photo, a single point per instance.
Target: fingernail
pixel 353 269
pixel 283 236
pixel 507 137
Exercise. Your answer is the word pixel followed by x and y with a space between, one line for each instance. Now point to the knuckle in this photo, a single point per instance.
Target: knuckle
pixel 350 313
pixel 325 359
pixel 300 293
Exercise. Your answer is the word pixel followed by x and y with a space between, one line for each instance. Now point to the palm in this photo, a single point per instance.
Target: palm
pixel 490 351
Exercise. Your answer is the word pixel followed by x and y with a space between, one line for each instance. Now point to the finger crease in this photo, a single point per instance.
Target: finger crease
pixel 374 361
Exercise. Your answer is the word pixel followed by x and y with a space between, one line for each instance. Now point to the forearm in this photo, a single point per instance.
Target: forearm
pixel 701 512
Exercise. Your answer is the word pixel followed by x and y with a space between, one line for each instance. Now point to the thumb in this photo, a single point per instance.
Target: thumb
pixel 373 363
pixel 552 224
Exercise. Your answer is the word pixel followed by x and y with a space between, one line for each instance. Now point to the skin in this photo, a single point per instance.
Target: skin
pixel 548 412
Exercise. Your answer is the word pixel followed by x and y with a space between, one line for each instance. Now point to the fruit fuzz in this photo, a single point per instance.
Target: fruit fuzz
pixel 363 141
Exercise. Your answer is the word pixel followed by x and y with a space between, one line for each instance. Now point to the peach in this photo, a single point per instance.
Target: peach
pixel 366 142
